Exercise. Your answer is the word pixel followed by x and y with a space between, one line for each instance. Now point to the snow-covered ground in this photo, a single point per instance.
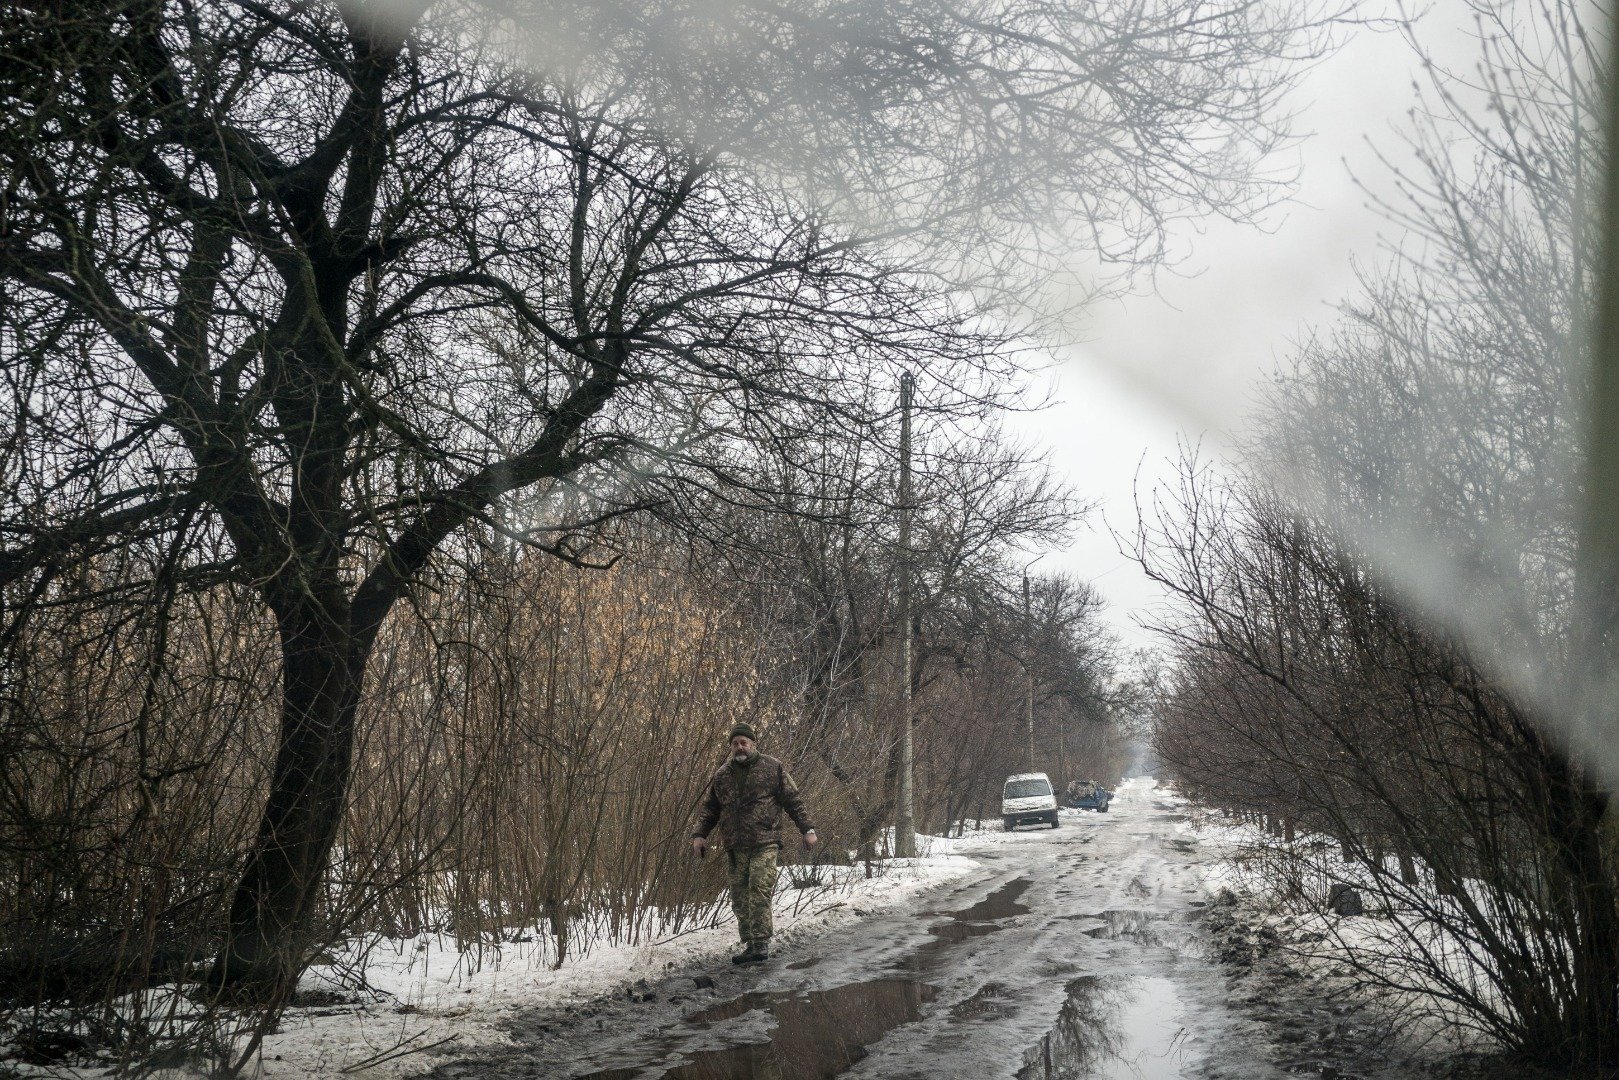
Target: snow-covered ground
pixel 1084 950
pixel 1067 952
pixel 423 993
pixel 1389 942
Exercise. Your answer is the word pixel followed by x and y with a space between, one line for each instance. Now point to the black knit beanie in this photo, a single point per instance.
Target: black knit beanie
pixel 743 728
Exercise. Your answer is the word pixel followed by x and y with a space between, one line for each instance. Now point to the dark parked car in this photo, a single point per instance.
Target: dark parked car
pixel 1087 795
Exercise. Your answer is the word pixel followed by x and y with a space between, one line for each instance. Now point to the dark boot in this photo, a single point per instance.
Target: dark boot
pixel 753 954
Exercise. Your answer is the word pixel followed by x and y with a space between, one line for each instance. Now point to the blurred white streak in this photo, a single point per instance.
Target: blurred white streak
pixel 1003 142
pixel 1012 162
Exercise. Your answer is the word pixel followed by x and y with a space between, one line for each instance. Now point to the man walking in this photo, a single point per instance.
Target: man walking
pixel 745 799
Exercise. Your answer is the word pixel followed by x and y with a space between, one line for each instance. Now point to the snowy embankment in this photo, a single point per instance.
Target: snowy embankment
pixel 423 993
pixel 1385 951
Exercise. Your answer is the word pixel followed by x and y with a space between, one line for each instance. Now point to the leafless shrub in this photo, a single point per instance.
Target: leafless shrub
pixel 1418 720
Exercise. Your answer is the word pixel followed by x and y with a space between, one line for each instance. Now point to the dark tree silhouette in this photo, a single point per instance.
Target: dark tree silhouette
pixel 329 283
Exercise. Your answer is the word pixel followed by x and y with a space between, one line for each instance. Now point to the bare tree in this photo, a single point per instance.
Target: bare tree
pixel 825 571
pixel 1431 434
pixel 1306 693
pixel 256 256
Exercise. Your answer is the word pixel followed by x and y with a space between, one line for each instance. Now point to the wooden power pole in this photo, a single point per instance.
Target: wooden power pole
pixel 1062 749
pixel 905 817
pixel 1028 666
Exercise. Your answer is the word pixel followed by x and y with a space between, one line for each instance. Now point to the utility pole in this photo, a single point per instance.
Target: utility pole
pixel 1062 749
pixel 1028 665
pixel 905 817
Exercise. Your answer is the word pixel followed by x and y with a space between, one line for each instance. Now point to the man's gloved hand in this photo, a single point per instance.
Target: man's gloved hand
pixel 810 839
pixel 699 846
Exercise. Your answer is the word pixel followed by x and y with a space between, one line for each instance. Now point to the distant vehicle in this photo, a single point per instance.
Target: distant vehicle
pixel 1087 795
pixel 1027 799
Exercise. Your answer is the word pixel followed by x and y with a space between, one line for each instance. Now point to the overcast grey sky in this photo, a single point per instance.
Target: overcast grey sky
pixel 1185 363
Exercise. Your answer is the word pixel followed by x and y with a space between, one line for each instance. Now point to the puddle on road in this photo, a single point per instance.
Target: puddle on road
pixel 1113 1027
pixel 1109 1027
pixel 957 932
pixel 1000 904
pixel 730 1010
pixel 1137 926
pixel 822 1033
pixel 819 1034
pixel 986 1004
pixel 970 922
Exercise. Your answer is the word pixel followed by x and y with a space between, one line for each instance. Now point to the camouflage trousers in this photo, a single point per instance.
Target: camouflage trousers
pixel 753 883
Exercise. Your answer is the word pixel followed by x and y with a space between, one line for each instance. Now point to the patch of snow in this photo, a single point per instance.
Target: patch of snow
pixel 1391 942
pixel 423 992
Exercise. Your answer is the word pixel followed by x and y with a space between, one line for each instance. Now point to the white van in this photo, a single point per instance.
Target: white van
pixel 1027 799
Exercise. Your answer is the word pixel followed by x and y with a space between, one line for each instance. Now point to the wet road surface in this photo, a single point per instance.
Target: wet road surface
pixel 1073 953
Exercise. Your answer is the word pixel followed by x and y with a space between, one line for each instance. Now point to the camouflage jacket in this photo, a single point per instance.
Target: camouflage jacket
pixel 746 802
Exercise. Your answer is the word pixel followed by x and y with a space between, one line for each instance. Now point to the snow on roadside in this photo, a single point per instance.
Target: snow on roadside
pixel 1389 943
pixel 424 993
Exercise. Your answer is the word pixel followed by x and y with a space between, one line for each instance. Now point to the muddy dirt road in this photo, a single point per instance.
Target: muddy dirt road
pixel 1073 952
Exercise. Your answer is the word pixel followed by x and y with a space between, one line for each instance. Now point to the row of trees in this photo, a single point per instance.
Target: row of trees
pixel 1408 737
pixel 303 299
pixel 534 740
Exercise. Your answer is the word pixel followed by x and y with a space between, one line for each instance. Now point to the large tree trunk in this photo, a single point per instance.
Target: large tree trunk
pixel 271 928
pixel 1579 808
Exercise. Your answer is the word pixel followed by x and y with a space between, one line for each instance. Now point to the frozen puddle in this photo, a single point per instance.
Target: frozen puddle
pixel 1114 1027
